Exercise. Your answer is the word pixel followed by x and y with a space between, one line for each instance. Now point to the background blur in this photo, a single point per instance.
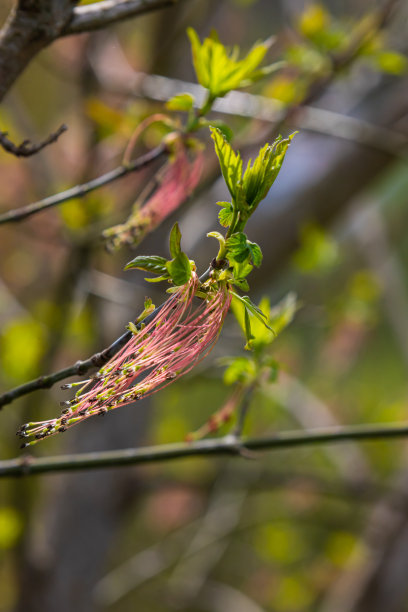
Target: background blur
pixel 322 529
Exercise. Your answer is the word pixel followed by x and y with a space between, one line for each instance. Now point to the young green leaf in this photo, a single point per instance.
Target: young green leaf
pixel 225 214
pixel 230 162
pixel 240 369
pixel 253 309
pixel 240 249
pixel 181 102
pixel 148 263
pixel 255 253
pixel 260 176
pixel 175 240
pixel 237 249
pixel 218 68
pixel 179 269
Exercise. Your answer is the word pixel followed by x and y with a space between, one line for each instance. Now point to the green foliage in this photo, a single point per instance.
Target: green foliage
pixel 318 251
pixel 11 526
pixel 178 269
pixel 247 190
pixel 239 370
pixel 267 323
pixel 181 102
pixel 218 68
pixel 148 263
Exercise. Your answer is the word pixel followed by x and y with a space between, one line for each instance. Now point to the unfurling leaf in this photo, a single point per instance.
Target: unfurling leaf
pixel 240 250
pixel 181 102
pixel 230 162
pixel 175 239
pixel 179 269
pixel 218 68
pixel 148 263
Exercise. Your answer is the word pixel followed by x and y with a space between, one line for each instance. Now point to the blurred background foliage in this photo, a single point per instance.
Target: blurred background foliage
pixel 289 531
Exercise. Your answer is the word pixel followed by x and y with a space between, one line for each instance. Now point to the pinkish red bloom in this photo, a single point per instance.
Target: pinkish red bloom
pixel 178 337
pixel 176 183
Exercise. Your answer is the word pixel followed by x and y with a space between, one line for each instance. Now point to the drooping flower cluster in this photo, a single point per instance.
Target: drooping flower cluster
pixel 170 345
pixel 178 180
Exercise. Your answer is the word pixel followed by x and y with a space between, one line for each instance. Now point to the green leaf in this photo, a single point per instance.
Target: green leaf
pixel 237 249
pixel 218 68
pixel 181 102
pixel 223 127
pixel 240 249
pixel 179 269
pixel 256 253
pixel 148 263
pixel 175 239
pixel 225 215
pixel 240 369
pixel 277 318
pixel 260 176
pixel 391 62
pixel 230 162
pixel 242 284
pixel 253 309
pixel 247 326
pixel 159 279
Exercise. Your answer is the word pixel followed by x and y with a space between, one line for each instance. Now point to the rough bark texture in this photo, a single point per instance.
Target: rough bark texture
pixel 30 27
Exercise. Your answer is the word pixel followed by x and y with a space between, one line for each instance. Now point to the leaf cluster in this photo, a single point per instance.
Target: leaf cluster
pixel 220 70
pixel 177 270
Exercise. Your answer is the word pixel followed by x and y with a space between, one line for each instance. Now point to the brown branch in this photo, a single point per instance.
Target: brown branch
pixel 80 191
pixel 27 148
pixel 101 14
pixel 34 24
pixel 229 445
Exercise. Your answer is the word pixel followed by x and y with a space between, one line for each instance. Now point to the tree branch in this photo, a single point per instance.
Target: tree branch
pixel 27 148
pixel 228 445
pixel 101 14
pixel 81 190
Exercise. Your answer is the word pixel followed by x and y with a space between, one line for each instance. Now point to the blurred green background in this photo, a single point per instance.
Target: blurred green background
pixel 322 529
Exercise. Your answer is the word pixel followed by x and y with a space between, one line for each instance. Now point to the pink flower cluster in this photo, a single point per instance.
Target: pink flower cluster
pixel 181 334
pixel 178 180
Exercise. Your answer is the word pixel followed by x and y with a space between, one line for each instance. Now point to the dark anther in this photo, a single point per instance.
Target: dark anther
pixel 218 264
pixel 62 429
pixel 24 445
pixel 102 411
pixel 82 411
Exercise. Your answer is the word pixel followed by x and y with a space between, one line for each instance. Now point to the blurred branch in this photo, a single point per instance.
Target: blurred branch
pixel 80 191
pixel 27 148
pixel 228 445
pixel 262 108
pixel 101 14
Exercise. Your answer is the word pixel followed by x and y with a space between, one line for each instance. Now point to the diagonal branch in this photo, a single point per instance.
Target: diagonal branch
pixel 229 445
pixel 81 190
pixel 101 14
pixel 27 148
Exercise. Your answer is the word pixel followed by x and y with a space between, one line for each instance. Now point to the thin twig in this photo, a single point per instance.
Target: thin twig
pixel 27 148
pixel 79 191
pixel 102 14
pixel 228 445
